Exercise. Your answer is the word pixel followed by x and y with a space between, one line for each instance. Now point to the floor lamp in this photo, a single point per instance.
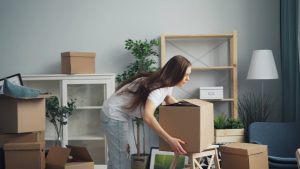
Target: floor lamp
pixel 262 67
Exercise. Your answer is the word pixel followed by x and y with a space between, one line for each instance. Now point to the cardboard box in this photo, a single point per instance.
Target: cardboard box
pixel 229 136
pixel 211 92
pixel 22 137
pixel 22 115
pixel 78 62
pixel 24 155
pixel 59 158
pixel 244 156
pixel 192 121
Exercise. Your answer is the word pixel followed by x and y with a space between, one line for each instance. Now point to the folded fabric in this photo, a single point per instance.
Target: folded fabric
pixel 13 90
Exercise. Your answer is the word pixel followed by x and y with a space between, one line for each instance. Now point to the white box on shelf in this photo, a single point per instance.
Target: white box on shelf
pixel 215 92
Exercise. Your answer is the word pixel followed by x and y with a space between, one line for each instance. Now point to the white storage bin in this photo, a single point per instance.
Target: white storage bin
pixel 215 92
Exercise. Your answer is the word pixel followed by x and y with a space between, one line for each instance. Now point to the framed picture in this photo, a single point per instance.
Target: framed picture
pixel 15 79
pixel 164 159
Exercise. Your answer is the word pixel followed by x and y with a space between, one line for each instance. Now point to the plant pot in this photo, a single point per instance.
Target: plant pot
pixel 139 162
pixel 229 135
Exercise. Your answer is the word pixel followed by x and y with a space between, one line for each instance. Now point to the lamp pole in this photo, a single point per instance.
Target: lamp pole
pixel 262 66
pixel 262 96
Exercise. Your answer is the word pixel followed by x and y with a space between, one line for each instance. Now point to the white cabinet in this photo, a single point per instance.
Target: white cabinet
pixel 90 91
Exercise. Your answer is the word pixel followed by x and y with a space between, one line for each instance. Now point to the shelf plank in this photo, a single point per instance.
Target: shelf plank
pixel 88 107
pixel 85 138
pixel 198 36
pixel 79 138
pixel 220 100
pixel 214 68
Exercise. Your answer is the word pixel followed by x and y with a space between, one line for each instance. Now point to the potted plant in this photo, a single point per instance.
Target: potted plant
pixel 228 129
pixel 144 53
pixel 58 115
pixel 253 109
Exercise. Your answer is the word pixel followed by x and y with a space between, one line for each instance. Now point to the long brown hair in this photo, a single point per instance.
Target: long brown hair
pixel 168 76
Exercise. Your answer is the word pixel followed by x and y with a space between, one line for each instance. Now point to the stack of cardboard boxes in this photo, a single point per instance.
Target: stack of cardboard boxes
pixel 22 126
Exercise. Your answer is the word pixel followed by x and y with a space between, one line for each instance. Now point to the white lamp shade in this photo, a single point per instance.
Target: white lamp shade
pixel 262 65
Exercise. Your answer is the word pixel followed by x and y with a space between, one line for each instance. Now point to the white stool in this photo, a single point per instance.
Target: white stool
pixel 195 158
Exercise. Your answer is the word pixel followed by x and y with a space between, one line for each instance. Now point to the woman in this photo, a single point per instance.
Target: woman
pixel 139 97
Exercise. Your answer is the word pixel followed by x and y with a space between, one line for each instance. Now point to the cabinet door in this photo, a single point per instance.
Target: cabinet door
pixel 50 86
pixel 83 128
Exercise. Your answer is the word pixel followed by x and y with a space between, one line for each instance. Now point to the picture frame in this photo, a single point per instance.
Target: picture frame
pixel 163 159
pixel 15 79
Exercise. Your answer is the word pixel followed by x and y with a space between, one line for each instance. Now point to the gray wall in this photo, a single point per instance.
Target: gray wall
pixel 33 33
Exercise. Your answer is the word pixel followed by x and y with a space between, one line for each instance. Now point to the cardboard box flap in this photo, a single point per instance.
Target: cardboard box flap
pixel 197 102
pixel 78 54
pixel 182 104
pixel 243 148
pixel 190 102
pixel 57 156
pixel 23 146
pixel 80 154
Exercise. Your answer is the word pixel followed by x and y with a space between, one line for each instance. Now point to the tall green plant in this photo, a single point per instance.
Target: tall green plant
pixel 144 53
pixel 253 108
pixel 58 115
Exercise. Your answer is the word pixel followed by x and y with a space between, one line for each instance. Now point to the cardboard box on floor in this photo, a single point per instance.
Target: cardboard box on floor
pixel 22 137
pixel 24 155
pixel 192 122
pixel 58 158
pixel 244 156
pixel 78 62
pixel 20 115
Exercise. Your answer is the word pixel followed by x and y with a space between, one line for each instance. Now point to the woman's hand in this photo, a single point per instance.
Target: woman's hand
pixel 175 145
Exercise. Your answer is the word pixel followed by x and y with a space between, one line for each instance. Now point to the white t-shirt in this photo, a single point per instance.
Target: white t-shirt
pixel 114 106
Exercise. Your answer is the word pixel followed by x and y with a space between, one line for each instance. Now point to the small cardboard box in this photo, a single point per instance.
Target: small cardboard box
pixel 78 62
pixel 24 155
pixel 59 158
pixel 244 156
pixel 22 137
pixel 20 115
pixel 211 92
pixel 191 121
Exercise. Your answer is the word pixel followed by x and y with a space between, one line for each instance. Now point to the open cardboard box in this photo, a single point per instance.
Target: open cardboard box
pixel 19 115
pixel 192 121
pixel 72 157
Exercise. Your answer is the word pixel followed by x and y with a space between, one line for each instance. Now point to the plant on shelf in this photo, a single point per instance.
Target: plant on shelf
pixel 145 54
pixel 228 129
pixel 252 109
pixel 58 115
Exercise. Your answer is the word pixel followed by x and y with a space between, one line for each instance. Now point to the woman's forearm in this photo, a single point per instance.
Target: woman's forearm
pixel 156 127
